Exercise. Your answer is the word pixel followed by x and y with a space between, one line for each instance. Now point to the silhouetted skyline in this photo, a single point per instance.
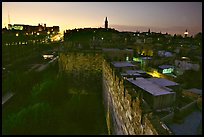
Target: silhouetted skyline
pixel 171 17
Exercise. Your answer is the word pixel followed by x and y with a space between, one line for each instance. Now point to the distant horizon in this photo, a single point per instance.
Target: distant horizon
pixel 170 17
pixel 125 28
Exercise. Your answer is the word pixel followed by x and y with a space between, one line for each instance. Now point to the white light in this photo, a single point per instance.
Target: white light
pixel 186 33
pixel 38 33
pixel 16 34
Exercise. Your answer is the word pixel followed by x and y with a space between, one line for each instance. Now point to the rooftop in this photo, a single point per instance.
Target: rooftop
pixel 195 90
pixel 162 82
pixel 150 87
pixel 119 64
pixel 116 49
pixel 166 66
pixel 133 72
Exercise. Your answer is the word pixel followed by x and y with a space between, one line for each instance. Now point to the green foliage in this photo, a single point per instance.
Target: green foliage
pixel 190 79
pixel 26 119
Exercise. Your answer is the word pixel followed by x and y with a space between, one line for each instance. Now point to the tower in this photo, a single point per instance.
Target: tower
pixel 106 23
pixel 186 33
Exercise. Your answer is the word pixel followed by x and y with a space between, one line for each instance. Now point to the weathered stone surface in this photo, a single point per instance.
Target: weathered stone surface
pixel 127 109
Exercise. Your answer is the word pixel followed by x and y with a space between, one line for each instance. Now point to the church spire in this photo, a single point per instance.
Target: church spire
pixel 106 23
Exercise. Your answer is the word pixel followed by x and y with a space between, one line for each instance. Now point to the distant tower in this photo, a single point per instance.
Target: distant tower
pixel 186 33
pixel 106 23
pixel 9 22
pixel 149 31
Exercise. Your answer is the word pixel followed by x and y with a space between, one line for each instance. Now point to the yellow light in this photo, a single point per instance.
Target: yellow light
pixel 38 33
pixel 16 34
pixel 154 74
pixel 48 32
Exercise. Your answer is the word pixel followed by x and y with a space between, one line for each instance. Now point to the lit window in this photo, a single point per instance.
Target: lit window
pixel 127 58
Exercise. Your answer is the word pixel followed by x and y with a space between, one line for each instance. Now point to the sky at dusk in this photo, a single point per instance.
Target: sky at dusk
pixel 171 17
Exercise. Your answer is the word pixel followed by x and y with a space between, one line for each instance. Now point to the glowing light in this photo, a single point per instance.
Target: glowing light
pixel 127 58
pixel 48 32
pixel 169 70
pixel 17 34
pixel 18 27
pixel 137 59
pixel 186 33
pixel 184 57
pixel 38 33
pixel 48 56
pixel 154 74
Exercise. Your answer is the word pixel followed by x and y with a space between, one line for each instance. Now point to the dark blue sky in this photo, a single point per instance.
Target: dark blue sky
pixel 171 17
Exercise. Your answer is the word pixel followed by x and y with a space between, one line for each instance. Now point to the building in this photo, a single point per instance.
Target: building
pixel 21 34
pixel 33 29
pixel 186 65
pixel 106 23
pixel 158 96
pixel 166 69
pixel 117 54
pixel 155 91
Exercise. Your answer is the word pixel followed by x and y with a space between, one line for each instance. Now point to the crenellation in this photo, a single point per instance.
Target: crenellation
pixel 127 103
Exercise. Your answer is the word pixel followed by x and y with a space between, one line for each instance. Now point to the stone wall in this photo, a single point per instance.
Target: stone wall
pixel 124 106
pixel 75 62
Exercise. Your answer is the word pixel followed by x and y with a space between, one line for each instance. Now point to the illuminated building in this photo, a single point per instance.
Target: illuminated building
pixel 26 34
pixel 33 29
pixel 166 69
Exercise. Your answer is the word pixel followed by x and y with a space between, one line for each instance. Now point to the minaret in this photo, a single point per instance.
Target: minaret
pixel 106 23
pixel 186 33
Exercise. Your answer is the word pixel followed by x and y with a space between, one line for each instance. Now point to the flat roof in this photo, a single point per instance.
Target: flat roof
pixel 162 82
pixel 133 72
pixel 119 64
pixel 166 66
pixel 150 87
pixel 116 49
pixel 146 58
pixel 195 90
